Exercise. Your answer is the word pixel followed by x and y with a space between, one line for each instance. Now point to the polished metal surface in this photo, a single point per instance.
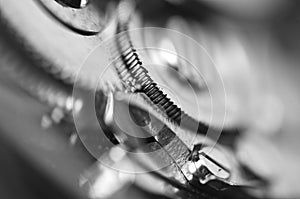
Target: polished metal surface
pixel 87 18
pixel 97 104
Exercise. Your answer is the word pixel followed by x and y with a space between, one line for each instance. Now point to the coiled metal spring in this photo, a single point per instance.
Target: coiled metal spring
pixel 135 75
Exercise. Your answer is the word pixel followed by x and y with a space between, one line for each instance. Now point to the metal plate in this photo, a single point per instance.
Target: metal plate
pixel 88 20
pixel 53 47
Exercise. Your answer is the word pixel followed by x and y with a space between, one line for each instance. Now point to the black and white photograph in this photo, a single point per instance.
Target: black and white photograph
pixel 149 99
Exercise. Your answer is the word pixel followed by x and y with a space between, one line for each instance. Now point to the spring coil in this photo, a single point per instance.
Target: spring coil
pixel 133 73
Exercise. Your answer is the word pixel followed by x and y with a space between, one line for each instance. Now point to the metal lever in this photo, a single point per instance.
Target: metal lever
pixel 199 171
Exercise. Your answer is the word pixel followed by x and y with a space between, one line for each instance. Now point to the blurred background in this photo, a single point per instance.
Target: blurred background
pixel 254 45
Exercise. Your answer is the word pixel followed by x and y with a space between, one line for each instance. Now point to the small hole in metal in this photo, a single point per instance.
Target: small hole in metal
pixel 73 3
